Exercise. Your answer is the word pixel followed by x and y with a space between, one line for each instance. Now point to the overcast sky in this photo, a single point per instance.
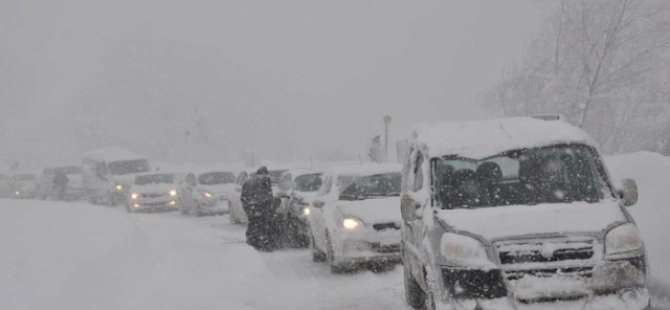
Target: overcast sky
pixel 309 73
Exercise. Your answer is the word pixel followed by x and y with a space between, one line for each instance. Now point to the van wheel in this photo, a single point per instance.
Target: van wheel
pixel 317 255
pixel 414 295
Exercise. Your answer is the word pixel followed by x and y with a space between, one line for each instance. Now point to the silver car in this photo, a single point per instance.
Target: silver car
pixel 515 214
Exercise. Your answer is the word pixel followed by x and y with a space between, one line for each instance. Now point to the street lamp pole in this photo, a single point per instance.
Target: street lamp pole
pixel 387 120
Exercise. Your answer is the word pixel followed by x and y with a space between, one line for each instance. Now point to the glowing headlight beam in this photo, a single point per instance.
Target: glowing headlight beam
pixel 173 192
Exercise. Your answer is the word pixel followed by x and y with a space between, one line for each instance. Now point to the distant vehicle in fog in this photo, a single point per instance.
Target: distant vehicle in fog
pixel 154 192
pixel 75 185
pixel 25 186
pixel 108 173
pixel 196 199
pixel 218 185
pixel 355 219
pixel 5 186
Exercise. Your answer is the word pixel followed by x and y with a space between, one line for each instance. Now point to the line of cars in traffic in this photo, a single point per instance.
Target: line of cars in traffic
pixel 514 213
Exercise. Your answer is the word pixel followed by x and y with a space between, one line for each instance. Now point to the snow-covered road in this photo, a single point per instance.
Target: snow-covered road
pixel 79 256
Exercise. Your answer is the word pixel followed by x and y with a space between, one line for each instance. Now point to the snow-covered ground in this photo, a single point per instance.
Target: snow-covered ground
pixel 78 256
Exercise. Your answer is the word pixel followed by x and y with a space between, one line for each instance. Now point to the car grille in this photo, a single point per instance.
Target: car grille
pixel 385 226
pixel 152 195
pixel 555 256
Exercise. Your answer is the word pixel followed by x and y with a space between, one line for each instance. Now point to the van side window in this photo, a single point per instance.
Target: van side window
pixel 417 172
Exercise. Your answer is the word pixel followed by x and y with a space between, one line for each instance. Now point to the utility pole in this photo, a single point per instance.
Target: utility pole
pixel 387 120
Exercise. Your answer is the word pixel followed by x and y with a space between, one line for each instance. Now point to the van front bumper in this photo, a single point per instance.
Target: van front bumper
pixel 619 284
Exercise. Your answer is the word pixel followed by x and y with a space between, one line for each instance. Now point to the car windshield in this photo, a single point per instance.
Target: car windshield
pixel 25 177
pixel 162 178
pixel 522 177
pixel 67 170
pixel 275 175
pixel 128 167
pixel 214 178
pixel 308 182
pixel 370 186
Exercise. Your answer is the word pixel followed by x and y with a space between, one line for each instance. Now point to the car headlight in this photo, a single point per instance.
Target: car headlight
pixel 119 187
pixel 306 211
pixel 134 195
pixel 17 193
pixel 623 239
pixel 351 223
pixel 172 192
pixel 461 250
pixel 207 194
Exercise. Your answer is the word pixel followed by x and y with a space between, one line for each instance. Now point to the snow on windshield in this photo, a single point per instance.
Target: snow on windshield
pixel 521 177
pixel 307 182
pixel 378 185
pixel 129 167
pixel 162 178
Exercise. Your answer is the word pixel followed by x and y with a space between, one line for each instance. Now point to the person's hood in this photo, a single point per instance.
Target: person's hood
pixel 370 211
pixel 555 218
pixel 153 188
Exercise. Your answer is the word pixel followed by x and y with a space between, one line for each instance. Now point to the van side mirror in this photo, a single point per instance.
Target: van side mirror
pixel 628 192
pixel 408 208
pixel 318 204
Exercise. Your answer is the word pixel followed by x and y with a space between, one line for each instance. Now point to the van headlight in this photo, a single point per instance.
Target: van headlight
pixel 172 192
pixel 119 187
pixel 623 239
pixel 207 194
pixel 461 250
pixel 305 211
pixel 134 195
pixel 351 223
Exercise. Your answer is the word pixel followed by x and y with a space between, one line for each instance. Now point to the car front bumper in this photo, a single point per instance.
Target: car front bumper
pixel 352 251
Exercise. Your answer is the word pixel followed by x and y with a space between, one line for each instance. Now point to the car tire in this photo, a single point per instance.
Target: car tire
pixel 317 255
pixel 330 257
pixel 414 295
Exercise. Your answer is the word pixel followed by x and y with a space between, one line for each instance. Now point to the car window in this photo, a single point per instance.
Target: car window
pixel 128 167
pixel 215 178
pixel 307 182
pixel 372 186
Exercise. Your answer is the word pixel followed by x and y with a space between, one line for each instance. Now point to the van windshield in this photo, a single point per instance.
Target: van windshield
pixel 307 182
pixel 162 178
pixel 128 166
pixel 556 174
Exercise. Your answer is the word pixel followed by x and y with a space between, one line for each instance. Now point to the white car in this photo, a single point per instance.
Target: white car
pixel 298 189
pixel 355 220
pixel 25 186
pixel 217 186
pixel 109 173
pixel 517 213
pixel 167 192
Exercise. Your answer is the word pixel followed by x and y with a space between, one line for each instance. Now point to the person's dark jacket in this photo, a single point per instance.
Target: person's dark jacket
pixel 257 191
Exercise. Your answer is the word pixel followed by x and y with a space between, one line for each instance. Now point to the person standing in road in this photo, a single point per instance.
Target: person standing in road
pixel 60 182
pixel 257 201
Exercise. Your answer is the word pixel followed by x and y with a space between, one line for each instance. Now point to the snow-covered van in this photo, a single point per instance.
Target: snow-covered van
pixel 355 219
pixel 517 213
pixel 108 173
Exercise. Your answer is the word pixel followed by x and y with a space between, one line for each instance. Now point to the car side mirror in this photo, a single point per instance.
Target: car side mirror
pixel 628 192
pixel 318 204
pixel 408 208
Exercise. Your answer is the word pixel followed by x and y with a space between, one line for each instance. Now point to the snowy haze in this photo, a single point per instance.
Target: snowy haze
pixel 287 79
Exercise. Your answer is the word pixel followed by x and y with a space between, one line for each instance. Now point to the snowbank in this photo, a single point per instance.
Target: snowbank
pixel 652 212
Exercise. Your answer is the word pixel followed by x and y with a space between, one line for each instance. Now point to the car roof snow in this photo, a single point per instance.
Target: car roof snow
pixel 480 139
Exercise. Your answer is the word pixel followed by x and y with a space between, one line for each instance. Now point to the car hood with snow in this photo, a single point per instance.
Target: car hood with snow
pixel 501 222
pixel 373 211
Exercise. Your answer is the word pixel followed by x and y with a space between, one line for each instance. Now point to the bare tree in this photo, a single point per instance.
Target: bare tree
pixel 592 61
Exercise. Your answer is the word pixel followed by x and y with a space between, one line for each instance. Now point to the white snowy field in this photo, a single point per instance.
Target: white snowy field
pixel 78 256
